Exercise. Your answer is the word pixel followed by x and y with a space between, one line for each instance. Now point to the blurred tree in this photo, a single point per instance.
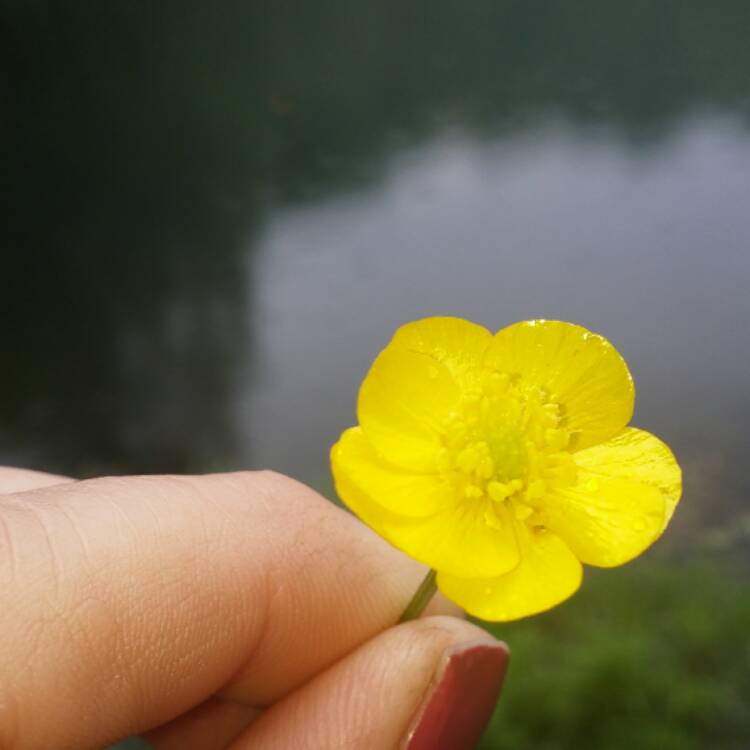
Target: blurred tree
pixel 142 145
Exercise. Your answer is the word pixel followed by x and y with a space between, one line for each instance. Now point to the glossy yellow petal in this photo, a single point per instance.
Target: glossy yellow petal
pixel 378 518
pixel 459 541
pixel 395 489
pixel 548 574
pixel 606 518
pixel 639 456
pixel 458 344
pixel 403 406
pixel 578 369
pixel 456 539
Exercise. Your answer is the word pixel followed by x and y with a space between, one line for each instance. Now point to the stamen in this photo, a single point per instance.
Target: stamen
pixel 536 489
pixel 486 467
pixel 556 439
pixel 506 442
pixel 473 492
pixel 498 491
pixel 491 519
pixel 467 459
pixel 522 512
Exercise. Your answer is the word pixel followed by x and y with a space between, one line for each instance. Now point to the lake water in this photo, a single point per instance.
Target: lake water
pixel 213 222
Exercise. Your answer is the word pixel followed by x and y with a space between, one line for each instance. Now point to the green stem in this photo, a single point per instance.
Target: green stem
pixel 421 598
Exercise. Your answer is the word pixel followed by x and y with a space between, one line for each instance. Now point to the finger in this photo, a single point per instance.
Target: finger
pixel 210 726
pixel 213 724
pixel 427 684
pixel 128 601
pixel 22 480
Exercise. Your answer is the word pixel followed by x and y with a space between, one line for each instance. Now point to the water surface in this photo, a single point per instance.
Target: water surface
pixel 214 221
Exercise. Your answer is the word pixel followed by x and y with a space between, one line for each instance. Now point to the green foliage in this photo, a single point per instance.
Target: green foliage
pixel 651 656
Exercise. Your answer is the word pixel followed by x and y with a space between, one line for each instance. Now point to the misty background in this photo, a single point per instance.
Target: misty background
pixel 215 216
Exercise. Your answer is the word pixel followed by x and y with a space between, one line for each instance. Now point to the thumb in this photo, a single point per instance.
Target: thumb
pixel 430 684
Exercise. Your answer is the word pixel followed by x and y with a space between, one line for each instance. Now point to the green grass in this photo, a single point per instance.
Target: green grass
pixel 655 655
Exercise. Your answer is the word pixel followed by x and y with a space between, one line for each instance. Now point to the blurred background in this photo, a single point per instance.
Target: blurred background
pixel 214 216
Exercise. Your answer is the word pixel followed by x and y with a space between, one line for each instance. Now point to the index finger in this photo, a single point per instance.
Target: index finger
pixel 22 480
pixel 137 598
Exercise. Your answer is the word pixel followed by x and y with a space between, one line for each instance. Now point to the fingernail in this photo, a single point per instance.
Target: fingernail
pixel 461 700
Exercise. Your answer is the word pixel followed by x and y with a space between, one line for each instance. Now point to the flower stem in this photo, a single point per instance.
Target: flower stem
pixel 421 598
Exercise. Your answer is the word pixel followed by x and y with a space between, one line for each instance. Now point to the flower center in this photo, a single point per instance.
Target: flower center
pixel 505 447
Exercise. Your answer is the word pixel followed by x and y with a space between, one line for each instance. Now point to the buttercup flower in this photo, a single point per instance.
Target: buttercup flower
pixel 504 462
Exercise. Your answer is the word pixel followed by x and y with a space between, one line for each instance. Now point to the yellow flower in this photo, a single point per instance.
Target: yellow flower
pixel 504 462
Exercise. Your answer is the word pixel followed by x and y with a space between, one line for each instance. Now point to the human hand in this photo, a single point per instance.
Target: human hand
pixel 222 611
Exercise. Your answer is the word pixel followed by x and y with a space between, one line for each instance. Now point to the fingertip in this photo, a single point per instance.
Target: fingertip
pixel 247 582
pixel 461 698
pixel 22 480
pixel 441 605
pixel 427 683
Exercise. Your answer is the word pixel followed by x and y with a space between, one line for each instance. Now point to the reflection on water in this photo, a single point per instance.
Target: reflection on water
pixel 648 247
pixel 215 220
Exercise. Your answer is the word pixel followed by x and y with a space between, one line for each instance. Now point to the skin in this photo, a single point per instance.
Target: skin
pixel 230 610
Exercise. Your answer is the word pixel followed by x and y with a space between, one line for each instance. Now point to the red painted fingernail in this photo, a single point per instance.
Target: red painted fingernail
pixel 460 703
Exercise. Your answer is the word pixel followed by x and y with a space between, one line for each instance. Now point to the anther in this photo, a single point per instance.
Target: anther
pixel 472 491
pixel 486 467
pixel 468 459
pixel 522 512
pixel 556 439
pixel 536 489
pixel 498 491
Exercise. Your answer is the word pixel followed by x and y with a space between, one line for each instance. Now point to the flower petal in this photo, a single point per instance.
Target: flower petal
pixel 459 541
pixel 403 405
pixel 639 456
pixel 615 510
pixel 395 489
pixel 458 344
pixel 456 539
pixel 579 369
pixel 548 574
